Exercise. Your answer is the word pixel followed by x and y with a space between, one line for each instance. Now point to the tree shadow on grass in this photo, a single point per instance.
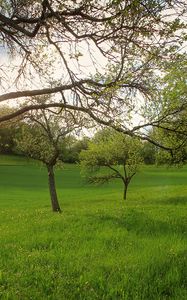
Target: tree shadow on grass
pixel 141 224
pixel 174 201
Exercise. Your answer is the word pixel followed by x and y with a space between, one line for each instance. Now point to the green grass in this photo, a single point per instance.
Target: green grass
pixel 99 247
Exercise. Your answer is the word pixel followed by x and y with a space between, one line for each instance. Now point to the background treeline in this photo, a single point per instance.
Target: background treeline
pixel 73 145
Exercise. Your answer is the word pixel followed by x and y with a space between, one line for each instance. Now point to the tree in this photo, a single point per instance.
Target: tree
pixel 115 152
pixel 42 137
pixel 125 44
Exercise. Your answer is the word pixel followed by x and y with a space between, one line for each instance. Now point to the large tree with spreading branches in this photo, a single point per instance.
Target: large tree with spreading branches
pixel 103 58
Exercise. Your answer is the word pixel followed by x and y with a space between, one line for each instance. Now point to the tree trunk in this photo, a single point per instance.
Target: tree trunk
pixel 125 191
pixel 52 188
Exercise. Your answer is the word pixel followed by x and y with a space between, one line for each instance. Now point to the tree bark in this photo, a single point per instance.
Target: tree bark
pixel 52 188
pixel 125 191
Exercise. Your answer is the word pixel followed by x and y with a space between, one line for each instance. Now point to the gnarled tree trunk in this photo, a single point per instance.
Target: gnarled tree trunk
pixel 52 188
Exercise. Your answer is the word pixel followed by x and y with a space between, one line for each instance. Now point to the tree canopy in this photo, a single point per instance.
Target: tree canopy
pixel 111 155
pixel 42 136
pixel 103 58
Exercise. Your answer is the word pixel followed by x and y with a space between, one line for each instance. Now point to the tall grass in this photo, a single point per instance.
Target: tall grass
pixel 99 247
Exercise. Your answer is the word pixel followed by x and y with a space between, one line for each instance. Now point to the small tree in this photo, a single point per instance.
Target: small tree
pixel 115 152
pixel 41 138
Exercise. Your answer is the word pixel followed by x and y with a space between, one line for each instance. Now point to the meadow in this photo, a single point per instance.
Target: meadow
pixel 99 247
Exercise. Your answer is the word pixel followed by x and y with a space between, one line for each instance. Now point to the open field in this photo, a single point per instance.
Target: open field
pixel 99 247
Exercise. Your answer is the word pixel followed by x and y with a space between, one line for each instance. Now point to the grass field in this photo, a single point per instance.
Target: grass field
pixel 99 247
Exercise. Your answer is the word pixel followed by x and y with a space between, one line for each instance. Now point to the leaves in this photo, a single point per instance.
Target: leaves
pixel 44 132
pixel 108 150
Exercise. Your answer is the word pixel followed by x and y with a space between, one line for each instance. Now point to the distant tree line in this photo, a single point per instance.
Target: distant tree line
pixel 73 145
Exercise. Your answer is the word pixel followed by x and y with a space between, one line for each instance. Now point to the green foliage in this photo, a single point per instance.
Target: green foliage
pixel 175 84
pixel 109 156
pixel 34 143
pixel 8 132
pixel 44 135
pixel 71 148
pixel 172 129
pixel 7 136
pixel 149 153
pixel 177 156
pixel 95 249
pixel 110 148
